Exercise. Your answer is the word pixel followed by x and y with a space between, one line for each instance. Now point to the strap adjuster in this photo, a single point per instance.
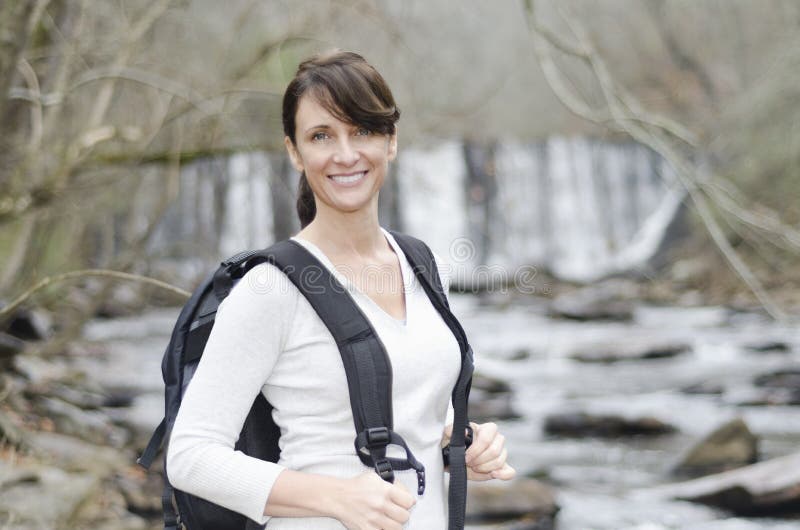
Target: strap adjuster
pixel 377 437
pixel 384 470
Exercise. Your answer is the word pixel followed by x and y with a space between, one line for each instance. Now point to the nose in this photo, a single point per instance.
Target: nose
pixel 345 153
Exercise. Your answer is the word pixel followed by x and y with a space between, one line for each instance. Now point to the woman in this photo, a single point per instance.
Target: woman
pixel 339 120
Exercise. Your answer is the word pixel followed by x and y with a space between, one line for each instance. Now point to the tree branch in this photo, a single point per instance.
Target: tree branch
pixel 85 273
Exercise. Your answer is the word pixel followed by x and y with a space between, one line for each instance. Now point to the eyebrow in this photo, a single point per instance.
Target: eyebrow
pixel 320 126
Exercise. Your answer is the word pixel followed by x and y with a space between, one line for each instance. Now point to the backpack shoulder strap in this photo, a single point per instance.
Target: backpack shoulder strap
pixel 366 363
pixel 421 259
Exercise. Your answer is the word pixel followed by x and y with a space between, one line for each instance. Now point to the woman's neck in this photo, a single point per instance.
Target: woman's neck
pixel 346 236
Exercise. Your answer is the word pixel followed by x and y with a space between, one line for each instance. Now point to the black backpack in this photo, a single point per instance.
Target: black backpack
pixel 366 365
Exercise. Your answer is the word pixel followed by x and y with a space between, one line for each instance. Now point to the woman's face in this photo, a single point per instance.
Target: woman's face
pixel 345 164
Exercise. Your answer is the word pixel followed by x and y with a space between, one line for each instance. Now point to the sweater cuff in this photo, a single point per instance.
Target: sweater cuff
pixel 250 493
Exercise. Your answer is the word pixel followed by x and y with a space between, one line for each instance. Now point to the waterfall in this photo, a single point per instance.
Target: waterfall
pixel 247 219
pixel 581 208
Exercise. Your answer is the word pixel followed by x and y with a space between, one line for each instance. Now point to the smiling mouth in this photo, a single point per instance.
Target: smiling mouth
pixel 349 178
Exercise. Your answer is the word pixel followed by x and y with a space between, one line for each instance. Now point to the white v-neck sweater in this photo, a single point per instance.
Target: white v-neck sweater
pixel 267 338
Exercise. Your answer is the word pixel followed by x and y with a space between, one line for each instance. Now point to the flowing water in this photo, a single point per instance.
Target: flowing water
pixel 580 207
pixel 600 484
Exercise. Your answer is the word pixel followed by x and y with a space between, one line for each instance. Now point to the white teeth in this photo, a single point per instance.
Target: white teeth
pixel 348 178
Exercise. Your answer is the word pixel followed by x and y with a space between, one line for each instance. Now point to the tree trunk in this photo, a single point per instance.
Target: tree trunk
pixel 15 19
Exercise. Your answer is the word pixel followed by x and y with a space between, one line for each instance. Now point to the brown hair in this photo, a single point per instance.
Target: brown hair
pixel 351 90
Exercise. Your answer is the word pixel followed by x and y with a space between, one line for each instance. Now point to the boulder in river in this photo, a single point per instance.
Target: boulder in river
pixel 612 300
pixel 629 349
pixel 488 384
pixel 788 378
pixel 521 503
pixel 781 387
pixel 711 388
pixel 768 346
pixel 484 407
pixel 767 488
pixel 763 397
pixel 490 399
pixel 582 424
pixel 729 446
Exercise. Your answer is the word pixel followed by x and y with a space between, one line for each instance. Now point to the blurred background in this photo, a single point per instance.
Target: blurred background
pixel 613 185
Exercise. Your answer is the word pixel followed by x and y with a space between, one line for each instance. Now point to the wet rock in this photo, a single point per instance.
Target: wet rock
pixel 582 424
pixel 485 407
pixel 766 488
pixel 119 397
pixel 514 354
pixel 490 399
pixel 763 397
pixel 92 426
pixel 775 388
pixel 10 433
pixel 488 384
pixel 704 388
pixel 108 510
pixel 80 397
pixel 789 378
pixel 529 502
pixel 48 499
pixel 632 349
pixel 520 354
pixel 591 304
pixel 11 475
pixel 584 308
pixel 9 347
pixel 27 324
pixel 75 455
pixel 768 346
pixel 729 446
pixel 137 499
pixel 40 371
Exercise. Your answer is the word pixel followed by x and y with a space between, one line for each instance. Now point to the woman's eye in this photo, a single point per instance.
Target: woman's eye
pixel 363 132
pixel 319 136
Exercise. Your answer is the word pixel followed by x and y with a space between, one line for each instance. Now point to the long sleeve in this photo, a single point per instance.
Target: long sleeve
pixel 248 336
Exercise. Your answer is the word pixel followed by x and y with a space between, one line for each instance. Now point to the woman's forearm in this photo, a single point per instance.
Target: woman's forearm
pixel 299 494
pixel 363 501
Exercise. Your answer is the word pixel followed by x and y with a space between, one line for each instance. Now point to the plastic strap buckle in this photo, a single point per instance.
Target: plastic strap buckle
pixel 467 442
pixel 384 470
pixel 377 437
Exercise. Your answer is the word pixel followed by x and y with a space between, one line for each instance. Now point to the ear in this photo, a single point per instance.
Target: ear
pixel 294 155
pixel 393 145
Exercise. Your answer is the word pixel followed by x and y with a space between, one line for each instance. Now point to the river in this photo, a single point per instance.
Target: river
pixel 600 484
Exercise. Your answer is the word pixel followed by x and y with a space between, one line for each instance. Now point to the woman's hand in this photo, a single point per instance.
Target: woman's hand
pixel 486 456
pixel 366 502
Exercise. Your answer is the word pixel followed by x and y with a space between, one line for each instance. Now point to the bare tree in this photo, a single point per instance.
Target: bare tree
pixel 89 91
pixel 680 146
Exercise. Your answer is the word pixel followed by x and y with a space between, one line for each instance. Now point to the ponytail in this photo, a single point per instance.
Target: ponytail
pixel 306 207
